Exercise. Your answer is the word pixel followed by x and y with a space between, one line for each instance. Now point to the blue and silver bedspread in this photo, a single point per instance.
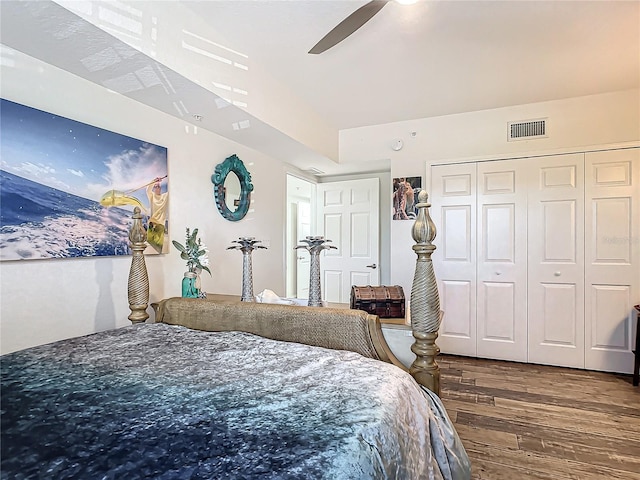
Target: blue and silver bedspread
pixel 165 402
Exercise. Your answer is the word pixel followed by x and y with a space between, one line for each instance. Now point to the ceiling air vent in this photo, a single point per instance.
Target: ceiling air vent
pixel 528 129
pixel 314 171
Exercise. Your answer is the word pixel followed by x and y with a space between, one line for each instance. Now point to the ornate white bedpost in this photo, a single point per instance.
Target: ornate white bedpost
pixel 425 303
pixel 138 284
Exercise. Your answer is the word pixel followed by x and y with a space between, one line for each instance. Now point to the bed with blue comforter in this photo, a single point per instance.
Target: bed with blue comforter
pixel 159 401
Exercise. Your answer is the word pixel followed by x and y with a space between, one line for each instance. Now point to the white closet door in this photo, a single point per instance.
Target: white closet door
pixel 453 200
pixel 556 260
pixel 612 257
pixel 502 260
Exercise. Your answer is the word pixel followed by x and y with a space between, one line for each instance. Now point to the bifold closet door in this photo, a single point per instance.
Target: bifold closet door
pixel 612 257
pixel 502 260
pixel 453 197
pixel 556 260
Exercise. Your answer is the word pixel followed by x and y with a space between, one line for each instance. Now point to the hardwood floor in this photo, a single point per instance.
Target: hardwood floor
pixel 521 421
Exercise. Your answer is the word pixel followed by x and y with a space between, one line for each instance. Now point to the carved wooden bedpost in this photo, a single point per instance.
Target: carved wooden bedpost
pixel 138 285
pixel 425 303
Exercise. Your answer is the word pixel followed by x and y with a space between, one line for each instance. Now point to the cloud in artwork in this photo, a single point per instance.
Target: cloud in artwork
pixel 131 171
pixel 37 172
pixel 77 173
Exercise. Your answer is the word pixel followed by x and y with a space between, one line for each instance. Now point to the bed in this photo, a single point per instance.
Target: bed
pixel 216 390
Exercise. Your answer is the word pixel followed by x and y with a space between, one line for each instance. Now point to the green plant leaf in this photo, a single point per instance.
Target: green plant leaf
pixel 178 246
pixel 192 250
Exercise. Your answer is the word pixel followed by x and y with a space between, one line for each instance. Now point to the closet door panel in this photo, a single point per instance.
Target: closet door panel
pixel 456 303
pixel 557 317
pixel 612 257
pixel 556 260
pixel 502 260
pixel 453 210
pixel 610 305
pixel 498 300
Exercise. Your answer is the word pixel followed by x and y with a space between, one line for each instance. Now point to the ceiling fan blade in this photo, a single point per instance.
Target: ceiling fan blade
pixel 349 25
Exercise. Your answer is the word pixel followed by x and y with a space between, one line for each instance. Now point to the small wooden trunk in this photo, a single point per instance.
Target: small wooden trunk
pixel 384 301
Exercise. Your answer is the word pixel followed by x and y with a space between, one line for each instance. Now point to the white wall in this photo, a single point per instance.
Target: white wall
pixel 47 300
pixel 574 123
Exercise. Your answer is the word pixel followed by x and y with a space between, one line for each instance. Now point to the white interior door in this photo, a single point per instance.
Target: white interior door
pixel 612 258
pixel 556 260
pixel 348 215
pixel 453 200
pixel 303 229
pixel 502 261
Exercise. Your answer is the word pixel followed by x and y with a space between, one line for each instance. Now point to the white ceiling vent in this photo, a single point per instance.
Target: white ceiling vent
pixel 527 129
pixel 314 171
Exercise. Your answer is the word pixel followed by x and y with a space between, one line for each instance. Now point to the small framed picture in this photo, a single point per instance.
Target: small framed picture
pixel 405 197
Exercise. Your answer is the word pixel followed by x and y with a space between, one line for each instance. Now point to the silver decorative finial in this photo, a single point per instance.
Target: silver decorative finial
pixel 247 245
pixel 315 244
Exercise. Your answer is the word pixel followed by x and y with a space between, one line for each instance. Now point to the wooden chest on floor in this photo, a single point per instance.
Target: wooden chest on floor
pixel 384 301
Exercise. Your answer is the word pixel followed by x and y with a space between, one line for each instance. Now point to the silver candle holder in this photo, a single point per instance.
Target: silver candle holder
pixel 246 245
pixel 315 245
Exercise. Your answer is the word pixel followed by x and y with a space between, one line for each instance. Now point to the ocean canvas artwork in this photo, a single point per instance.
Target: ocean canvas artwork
pixel 68 189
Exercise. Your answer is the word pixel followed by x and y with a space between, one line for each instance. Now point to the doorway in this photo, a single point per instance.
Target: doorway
pixel 301 196
pixel 347 212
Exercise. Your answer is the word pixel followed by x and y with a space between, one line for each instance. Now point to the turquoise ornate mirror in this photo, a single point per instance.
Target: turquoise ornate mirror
pixel 232 188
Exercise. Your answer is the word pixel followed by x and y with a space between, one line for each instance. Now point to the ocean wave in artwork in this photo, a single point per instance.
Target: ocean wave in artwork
pixel 38 222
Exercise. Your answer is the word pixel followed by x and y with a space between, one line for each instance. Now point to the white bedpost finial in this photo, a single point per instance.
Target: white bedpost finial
pixel 425 303
pixel 138 285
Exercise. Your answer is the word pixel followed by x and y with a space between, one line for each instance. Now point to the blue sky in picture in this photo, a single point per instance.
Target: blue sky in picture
pixel 75 157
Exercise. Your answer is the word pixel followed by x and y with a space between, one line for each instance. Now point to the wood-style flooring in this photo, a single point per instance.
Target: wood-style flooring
pixel 522 421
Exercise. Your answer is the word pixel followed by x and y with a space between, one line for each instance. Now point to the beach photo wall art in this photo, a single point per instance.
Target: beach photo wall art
pixel 68 189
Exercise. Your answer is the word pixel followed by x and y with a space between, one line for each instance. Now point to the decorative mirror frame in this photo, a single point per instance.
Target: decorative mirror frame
pixel 235 165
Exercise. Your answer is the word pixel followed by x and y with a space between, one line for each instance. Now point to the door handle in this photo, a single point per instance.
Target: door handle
pixel 374 266
pixel 557 274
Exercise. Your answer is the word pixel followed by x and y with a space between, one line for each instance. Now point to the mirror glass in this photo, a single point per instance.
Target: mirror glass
pixel 232 191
